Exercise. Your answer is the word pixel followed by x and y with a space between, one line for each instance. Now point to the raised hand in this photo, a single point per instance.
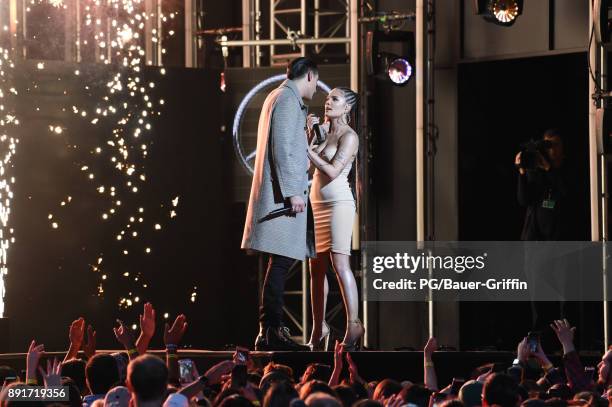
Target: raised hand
pixel 352 368
pixel 430 347
pixel 89 347
pixel 147 320
pixel 35 352
pixel 523 351
pixel 338 363
pixel 51 376
pixel 565 334
pixel 249 393
pixel 542 358
pixel 174 334
pixel 124 336
pixel 215 373
pixel 77 332
pixel 338 355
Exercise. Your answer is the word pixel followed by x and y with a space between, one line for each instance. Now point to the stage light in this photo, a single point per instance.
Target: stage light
pixel 501 12
pixel 398 68
pixel 399 71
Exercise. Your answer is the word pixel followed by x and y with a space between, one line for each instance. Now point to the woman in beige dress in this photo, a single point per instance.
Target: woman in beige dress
pixel 333 207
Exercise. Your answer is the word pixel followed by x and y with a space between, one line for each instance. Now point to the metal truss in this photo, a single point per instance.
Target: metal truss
pixel 281 21
pixel 340 19
pixel 327 23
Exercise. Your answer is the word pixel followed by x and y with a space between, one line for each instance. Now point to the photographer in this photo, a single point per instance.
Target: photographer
pixel 543 189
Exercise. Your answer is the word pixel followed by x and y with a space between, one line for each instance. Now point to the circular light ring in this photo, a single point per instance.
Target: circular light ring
pixel 244 160
pixel 399 71
pixel 504 11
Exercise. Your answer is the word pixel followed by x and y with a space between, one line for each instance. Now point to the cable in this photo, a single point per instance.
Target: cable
pixel 597 88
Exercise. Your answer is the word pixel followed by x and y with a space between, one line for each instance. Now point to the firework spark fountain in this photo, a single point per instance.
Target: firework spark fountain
pixel 8 145
pixel 116 169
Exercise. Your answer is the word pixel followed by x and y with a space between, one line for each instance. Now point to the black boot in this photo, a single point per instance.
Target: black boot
pixel 277 339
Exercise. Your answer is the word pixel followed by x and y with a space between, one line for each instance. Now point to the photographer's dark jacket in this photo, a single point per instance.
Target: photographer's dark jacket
pixel 545 194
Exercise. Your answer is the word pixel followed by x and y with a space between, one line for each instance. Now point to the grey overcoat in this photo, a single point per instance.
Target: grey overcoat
pixel 280 171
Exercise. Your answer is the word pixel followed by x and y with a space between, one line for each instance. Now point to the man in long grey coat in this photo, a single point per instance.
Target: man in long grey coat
pixel 279 221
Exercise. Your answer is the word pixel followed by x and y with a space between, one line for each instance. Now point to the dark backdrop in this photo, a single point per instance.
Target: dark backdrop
pixel 51 279
pixel 502 104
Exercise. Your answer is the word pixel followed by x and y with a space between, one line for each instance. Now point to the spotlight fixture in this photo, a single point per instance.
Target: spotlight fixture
pixel 501 12
pixel 398 69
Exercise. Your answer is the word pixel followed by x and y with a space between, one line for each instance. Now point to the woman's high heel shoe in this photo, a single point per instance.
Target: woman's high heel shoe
pixel 323 343
pixel 354 334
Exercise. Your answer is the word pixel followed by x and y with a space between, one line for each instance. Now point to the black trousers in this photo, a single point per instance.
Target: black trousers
pixel 271 310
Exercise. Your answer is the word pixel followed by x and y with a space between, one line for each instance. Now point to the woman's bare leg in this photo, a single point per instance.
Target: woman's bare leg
pixel 348 288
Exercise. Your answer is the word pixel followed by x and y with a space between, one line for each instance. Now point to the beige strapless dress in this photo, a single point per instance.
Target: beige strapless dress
pixel 333 207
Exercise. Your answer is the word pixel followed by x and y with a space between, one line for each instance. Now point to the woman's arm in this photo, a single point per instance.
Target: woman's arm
pixel 347 147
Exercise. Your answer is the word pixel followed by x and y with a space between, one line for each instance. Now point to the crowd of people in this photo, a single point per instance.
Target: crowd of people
pixel 135 378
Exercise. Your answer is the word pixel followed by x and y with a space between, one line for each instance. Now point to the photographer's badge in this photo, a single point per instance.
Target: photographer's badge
pixel 548 204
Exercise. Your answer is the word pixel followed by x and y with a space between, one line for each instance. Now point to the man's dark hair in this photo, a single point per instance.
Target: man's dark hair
pixel 280 395
pixel 74 394
pixel 502 390
pixel 102 373
pixel 367 403
pixel 235 400
pixel 346 395
pixel 554 133
pixel 272 378
pixel 75 369
pixel 452 403
pixel 386 389
pixel 316 386
pixel 148 377
pixel 416 394
pixel 300 67
pixel 555 402
pixel 560 390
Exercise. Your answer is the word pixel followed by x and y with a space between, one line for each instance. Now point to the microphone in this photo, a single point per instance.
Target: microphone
pixel 276 213
pixel 317 131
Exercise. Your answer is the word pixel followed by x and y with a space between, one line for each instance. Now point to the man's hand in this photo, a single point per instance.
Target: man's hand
pixel 542 358
pixel 52 375
pixel 297 204
pixel 35 352
pixel 147 321
pixel 565 334
pixel 123 336
pixel 430 347
pixel 77 332
pixel 522 350
pixel 352 368
pixel 215 373
pixel 173 336
pixel 89 348
pixel 338 356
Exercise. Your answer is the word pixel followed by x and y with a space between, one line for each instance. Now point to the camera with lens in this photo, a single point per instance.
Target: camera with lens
pixel 530 151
